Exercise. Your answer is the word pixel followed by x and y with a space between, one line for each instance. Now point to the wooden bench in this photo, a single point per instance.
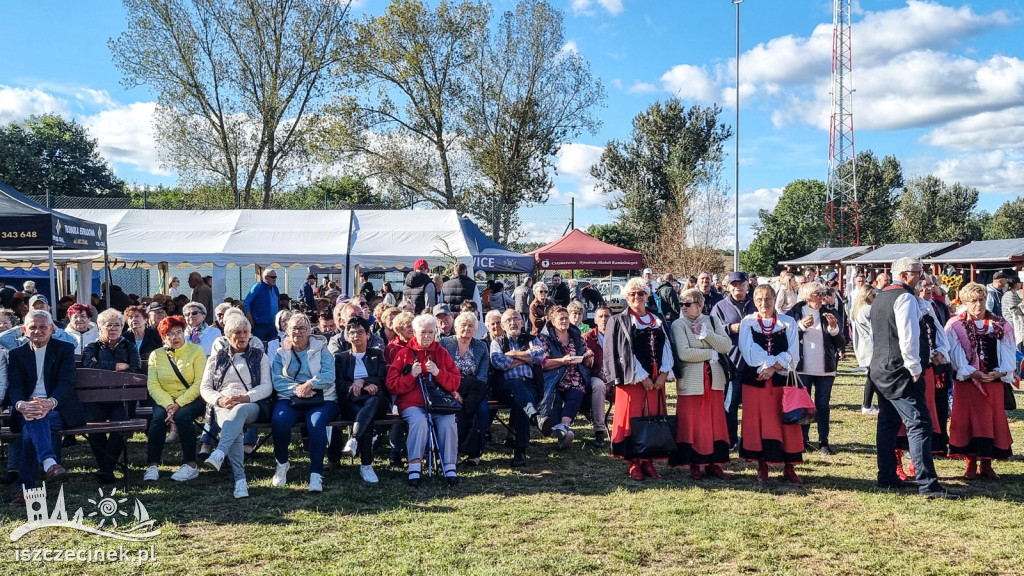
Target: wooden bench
pixel 93 386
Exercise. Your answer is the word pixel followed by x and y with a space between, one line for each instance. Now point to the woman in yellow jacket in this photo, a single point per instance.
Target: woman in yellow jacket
pixel 175 394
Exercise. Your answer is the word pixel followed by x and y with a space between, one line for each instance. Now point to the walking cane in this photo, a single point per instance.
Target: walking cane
pixel 433 449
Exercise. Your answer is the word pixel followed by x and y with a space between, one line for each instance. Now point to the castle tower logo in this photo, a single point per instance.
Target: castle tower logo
pixel 114 521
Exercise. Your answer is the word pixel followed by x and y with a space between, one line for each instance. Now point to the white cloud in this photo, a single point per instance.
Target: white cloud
pixel 690 82
pixel 617 82
pixel 570 47
pixel 586 7
pixel 95 97
pixel 750 205
pixel 17 104
pixel 573 164
pixel 985 131
pixel 125 135
pixel 994 172
pixel 643 88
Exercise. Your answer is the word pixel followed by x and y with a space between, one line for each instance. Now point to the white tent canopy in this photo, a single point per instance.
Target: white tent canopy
pixel 327 238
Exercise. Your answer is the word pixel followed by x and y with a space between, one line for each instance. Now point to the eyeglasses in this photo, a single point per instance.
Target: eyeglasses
pixel 194 313
pixel 542 291
pixel 176 334
pixel 686 304
pixel 818 294
pixel 299 329
pixel 271 277
pixel 109 326
pixel 637 293
pixel 359 332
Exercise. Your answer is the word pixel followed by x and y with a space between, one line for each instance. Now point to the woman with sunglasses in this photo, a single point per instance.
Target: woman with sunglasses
pixel 637 360
pixel 770 346
pixel 702 434
pixel 821 340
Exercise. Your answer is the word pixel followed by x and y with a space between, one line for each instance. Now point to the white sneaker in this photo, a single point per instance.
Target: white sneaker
pixel 152 474
pixel 351 448
pixel 368 475
pixel 280 475
pixel 185 473
pixel 241 489
pixel 870 410
pixel 215 459
pixel 316 482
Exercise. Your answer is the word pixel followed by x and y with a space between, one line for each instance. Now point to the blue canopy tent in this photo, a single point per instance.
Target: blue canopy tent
pixel 491 257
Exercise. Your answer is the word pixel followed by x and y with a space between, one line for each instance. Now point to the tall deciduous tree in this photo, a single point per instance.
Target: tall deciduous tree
pixel 527 96
pixel 878 189
pixel 929 210
pixel 670 148
pixel 795 227
pixel 239 83
pixel 1007 222
pixel 50 154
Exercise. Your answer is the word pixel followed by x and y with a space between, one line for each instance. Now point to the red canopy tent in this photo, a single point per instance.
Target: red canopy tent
pixel 577 250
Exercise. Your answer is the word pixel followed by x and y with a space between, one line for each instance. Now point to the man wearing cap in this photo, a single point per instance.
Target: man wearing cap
pixel 730 311
pixel 445 321
pixel 419 288
pixel 261 306
pixel 155 312
pixel 201 292
pixel 39 302
pixel 994 293
pixel 306 295
pixel 41 386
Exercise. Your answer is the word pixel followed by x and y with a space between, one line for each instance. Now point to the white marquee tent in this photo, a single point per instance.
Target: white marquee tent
pixel 345 239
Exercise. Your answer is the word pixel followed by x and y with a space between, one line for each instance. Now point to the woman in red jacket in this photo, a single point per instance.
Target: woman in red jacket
pixel 424 358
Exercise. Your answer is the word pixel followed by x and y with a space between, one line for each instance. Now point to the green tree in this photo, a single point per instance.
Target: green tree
pixel 670 148
pixel 50 154
pixel 878 187
pixel 240 84
pixel 334 192
pixel 614 234
pixel 1007 222
pixel 400 116
pixel 795 227
pixel 526 97
pixel 929 210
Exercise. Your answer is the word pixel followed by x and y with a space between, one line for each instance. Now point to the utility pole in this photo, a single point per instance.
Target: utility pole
pixel 841 202
pixel 736 155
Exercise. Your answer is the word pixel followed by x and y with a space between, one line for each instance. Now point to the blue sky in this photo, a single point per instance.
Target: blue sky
pixel 940 84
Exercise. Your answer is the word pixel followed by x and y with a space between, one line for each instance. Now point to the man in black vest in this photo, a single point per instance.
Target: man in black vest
pixel 897 373
pixel 460 288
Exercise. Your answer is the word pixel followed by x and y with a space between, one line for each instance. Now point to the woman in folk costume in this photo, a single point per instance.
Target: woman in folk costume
pixel 934 360
pixel 701 434
pixel 982 352
pixel 771 348
pixel 638 360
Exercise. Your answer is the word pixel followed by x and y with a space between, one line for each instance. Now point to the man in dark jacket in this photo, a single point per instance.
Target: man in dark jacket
pixel 559 290
pixel 43 401
pixel 669 298
pixel 460 288
pixel 306 295
pixel 897 373
pixel 730 312
pixel 419 288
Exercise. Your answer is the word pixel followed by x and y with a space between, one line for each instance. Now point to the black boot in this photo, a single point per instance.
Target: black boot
pixel 519 458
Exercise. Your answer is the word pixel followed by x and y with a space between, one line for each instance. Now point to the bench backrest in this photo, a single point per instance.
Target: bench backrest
pixel 94 385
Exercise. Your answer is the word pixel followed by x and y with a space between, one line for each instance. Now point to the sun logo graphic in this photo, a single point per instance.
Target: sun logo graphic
pixel 108 508
pixel 108 511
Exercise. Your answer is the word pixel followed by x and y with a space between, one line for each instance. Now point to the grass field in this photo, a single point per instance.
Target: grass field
pixel 573 512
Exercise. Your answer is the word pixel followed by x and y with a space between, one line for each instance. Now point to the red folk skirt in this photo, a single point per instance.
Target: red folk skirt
pixel 977 426
pixel 939 440
pixel 629 403
pixel 701 433
pixel 763 435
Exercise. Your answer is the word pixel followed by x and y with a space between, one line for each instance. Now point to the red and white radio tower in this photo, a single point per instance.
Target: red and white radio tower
pixel 841 203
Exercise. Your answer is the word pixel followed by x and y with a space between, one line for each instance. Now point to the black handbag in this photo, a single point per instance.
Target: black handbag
pixel 314 401
pixel 1009 400
pixel 652 436
pixel 438 400
pixel 266 406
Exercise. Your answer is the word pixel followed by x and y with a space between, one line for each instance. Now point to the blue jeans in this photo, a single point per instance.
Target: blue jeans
pixel 39 440
pixel 522 397
pixel 251 435
pixel 820 388
pixel 285 417
pixel 911 410
pixel 733 398
pixel 567 404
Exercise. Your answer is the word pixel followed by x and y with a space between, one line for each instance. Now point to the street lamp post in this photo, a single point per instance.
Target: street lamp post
pixel 736 246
